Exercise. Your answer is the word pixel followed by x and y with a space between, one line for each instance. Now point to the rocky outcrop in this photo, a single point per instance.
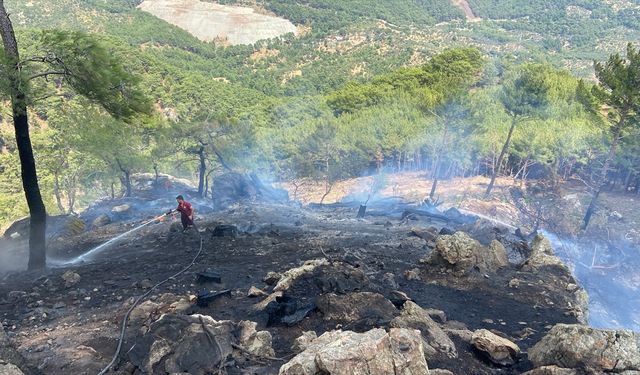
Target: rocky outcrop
pixel 581 347
pixel 287 279
pixel 436 340
pixel 498 349
pixel 197 344
pixel 542 254
pixel 398 352
pixel 356 307
pixel 462 254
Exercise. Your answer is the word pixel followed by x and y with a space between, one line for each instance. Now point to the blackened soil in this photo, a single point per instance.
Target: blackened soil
pixel 64 329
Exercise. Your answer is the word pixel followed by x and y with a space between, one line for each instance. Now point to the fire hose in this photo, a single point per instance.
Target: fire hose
pixel 125 319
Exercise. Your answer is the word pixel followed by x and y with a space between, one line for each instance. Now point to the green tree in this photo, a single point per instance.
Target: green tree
pixel 524 94
pixel 87 67
pixel 619 79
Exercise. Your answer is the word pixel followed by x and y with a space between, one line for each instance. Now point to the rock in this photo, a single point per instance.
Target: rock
pixel 9 369
pixel 101 221
pixel 514 283
pixel 256 342
pixel 196 344
pixel 272 278
pixel 120 209
pixel 291 275
pixel 551 370
pixel 439 371
pixel 349 353
pixel 498 349
pixel 224 230
pixel 302 343
pixel 70 278
pixel 9 357
pixel 255 292
pixel 398 298
pixel 413 274
pixel 462 334
pixel 428 234
pixel 390 280
pixel 414 317
pixel 144 310
pixel 356 307
pixel 578 346
pixel 542 254
pixel 438 315
pixel 462 254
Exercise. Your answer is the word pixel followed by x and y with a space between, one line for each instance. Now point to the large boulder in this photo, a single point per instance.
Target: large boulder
pixel 498 349
pixel 582 347
pixel 398 352
pixel 196 344
pixel 235 187
pixel 370 309
pixel 542 255
pixel 462 254
pixel 436 340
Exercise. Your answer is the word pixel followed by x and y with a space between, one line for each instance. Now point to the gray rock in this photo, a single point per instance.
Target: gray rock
pixel 256 342
pixel 551 370
pixel 356 307
pixel 302 343
pixel 374 352
pixel 414 317
pixel 462 254
pixel 577 346
pixel 255 292
pixel 70 278
pixel 272 278
pixel 120 209
pixel 498 349
pixel 9 369
pixel 101 221
pixel 542 255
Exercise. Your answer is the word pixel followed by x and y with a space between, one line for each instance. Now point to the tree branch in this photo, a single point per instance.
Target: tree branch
pixel 48 73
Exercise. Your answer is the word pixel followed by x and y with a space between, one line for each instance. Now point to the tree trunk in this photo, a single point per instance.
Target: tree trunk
pixel 202 171
pixel 125 179
pixel 57 193
pixel 505 148
pixel 603 173
pixel 37 210
pixel 436 167
pixel 627 180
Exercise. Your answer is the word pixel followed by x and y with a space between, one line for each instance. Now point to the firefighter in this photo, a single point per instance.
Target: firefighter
pixel 186 212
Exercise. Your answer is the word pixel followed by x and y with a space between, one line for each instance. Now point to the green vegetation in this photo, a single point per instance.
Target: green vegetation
pixel 367 86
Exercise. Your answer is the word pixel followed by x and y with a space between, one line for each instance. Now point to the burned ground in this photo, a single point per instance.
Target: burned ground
pixel 64 327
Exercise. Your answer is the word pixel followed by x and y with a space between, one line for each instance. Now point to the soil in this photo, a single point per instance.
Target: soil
pixel 72 329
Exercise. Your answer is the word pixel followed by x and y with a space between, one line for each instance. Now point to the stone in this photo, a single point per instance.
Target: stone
pixel 255 292
pixel 551 370
pixel 9 369
pixel 356 307
pixel 256 342
pixel 578 346
pixel 70 278
pixel 120 209
pixel 514 283
pixel 302 343
pixel 196 344
pixel 462 254
pixel 428 234
pixel 291 275
pixel 390 280
pixel 542 255
pixel 101 221
pixel 413 274
pixel 439 371
pixel 272 278
pixel 498 349
pixel 463 334
pixel 414 317
pixel 373 352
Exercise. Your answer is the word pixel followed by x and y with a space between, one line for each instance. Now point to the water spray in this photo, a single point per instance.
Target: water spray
pixel 96 250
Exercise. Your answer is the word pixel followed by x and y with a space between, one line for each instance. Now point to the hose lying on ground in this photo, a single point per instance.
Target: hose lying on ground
pixel 137 301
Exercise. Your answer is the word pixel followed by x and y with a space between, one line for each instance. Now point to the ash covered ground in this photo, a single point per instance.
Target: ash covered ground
pixel 67 320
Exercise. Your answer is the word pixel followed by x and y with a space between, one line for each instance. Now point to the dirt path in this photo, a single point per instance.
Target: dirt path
pixel 468 12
